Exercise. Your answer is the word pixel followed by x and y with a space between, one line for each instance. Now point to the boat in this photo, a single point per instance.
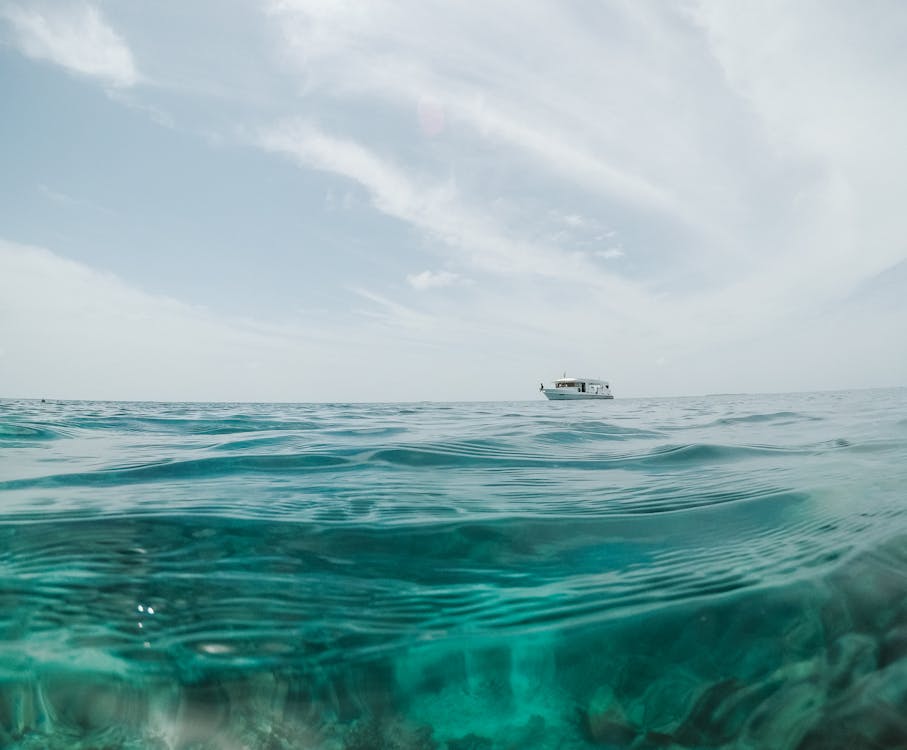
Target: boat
pixel 575 388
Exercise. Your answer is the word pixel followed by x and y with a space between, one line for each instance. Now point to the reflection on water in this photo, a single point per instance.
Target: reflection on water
pixel 714 573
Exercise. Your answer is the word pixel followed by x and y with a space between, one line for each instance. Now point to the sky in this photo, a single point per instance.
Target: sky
pixel 324 200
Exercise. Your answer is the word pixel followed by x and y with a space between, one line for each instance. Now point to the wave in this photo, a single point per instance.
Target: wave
pixel 25 433
pixel 778 417
pixel 199 468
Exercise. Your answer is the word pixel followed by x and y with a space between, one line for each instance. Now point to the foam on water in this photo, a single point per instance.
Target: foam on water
pixel 719 572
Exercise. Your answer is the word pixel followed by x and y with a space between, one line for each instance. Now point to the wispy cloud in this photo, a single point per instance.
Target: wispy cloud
pixel 433 279
pixel 58 196
pixel 392 190
pixel 440 210
pixel 395 313
pixel 450 56
pixel 65 200
pixel 749 172
pixel 114 340
pixel 74 36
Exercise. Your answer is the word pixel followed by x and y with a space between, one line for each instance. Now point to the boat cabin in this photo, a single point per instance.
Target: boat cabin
pixel 583 385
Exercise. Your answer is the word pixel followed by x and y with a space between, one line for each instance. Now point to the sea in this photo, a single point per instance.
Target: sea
pixel 727 571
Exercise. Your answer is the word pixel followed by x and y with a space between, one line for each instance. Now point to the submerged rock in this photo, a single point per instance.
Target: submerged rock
pixel 604 720
pixel 471 741
pixel 373 733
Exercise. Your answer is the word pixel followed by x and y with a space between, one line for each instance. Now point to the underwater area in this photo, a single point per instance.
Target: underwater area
pixel 718 572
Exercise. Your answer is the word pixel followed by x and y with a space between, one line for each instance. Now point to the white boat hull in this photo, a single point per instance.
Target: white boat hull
pixel 563 394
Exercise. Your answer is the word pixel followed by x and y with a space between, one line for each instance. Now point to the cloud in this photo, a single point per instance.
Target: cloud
pixel 72 203
pixel 823 85
pixel 747 142
pixel 408 53
pixel 72 332
pixel 433 279
pixel 438 209
pixel 610 253
pixel 58 196
pixel 75 37
pixel 395 313
pixel 392 190
pixel 433 207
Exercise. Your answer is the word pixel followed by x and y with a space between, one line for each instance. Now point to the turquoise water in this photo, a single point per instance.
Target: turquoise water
pixel 719 572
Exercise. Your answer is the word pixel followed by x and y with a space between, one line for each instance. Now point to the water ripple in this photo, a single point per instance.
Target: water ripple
pixel 661 571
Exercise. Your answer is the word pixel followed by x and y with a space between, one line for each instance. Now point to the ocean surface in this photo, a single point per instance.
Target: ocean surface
pixel 719 572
